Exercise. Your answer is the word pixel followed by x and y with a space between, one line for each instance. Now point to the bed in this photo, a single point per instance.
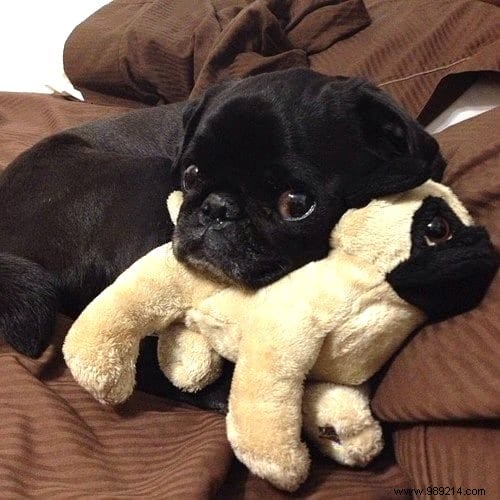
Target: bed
pixel 438 397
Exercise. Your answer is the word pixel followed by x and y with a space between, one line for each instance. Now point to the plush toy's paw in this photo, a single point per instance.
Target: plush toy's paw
pixel 285 472
pixel 105 375
pixel 286 467
pixel 348 447
pixel 187 360
pixel 339 422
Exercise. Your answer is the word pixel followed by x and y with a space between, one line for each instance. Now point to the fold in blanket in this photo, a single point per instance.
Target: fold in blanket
pixel 167 50
pixel 170 49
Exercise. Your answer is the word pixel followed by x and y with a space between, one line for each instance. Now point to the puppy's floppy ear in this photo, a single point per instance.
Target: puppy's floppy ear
pixel 191 116
pixel 409 155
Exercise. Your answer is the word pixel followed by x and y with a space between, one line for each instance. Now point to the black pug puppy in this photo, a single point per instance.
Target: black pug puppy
pixel 271 163
pixel 267 164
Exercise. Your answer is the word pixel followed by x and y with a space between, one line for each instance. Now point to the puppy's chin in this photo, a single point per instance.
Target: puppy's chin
pixel 195 253
pixel 205 267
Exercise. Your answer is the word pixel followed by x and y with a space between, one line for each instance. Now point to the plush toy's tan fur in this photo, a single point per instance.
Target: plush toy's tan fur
pixel 336 320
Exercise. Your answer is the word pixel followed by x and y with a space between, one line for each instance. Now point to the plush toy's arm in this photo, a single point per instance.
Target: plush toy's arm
pixel 264 420
pixel 101 348
pixel 187 358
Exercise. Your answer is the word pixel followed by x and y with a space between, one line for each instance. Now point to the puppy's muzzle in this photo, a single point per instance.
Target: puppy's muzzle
pixel 217 208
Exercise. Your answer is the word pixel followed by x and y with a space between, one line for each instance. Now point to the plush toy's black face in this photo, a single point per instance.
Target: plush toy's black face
pixel 451 265
pixel 270 163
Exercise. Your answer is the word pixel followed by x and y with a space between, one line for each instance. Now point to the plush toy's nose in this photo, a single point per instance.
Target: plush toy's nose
pixel 219 207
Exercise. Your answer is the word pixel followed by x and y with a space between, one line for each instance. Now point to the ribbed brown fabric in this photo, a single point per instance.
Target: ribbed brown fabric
pixel 57 442
pixel 166 49
pixel 151 49
pixel 412 45
pixel 458 455
pixel 451 370
pixel 27 118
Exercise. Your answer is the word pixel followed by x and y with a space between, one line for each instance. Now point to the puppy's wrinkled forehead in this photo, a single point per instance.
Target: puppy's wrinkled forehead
pixel 228 134
pixel 340 139
pixel 274 120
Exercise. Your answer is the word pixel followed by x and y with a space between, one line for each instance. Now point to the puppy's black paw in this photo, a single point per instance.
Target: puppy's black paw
pixel 28 304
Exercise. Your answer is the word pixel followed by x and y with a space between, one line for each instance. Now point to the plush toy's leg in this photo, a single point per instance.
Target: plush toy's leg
pixel 265 420
pixel 338 419
pixel 102 346
pixel 187 359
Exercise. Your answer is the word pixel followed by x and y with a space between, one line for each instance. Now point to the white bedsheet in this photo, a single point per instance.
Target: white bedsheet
pixel 482 96
pixel 32 36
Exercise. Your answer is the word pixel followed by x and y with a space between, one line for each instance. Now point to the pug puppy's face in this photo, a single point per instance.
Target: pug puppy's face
pixel 270 163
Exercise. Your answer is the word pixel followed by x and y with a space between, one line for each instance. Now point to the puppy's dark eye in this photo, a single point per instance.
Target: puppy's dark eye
pixel 189 177
pixel 294 206
pixel 437 231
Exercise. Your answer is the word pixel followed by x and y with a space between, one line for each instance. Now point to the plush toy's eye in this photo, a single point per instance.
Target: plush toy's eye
pixel 189 177
pixel 293 205
pixel 437 231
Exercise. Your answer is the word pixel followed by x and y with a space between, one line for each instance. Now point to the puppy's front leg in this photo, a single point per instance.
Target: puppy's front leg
pixel 265 420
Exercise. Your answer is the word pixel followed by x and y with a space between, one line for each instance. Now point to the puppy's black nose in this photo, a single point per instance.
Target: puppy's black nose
pixel 219 207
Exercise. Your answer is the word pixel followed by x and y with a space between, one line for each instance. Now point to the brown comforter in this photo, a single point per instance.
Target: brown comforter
pixel 439 396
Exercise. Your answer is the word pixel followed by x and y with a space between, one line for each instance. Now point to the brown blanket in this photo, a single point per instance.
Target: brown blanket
pixel 439 395
pixel 170 49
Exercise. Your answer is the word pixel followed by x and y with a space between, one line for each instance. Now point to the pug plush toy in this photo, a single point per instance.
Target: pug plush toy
pixel 394 264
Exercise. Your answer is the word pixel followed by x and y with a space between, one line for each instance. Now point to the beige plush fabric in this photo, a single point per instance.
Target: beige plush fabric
pixel 342 332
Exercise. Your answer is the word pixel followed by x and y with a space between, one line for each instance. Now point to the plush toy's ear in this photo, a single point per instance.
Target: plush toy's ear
pixel 174 202
pixel 409 155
